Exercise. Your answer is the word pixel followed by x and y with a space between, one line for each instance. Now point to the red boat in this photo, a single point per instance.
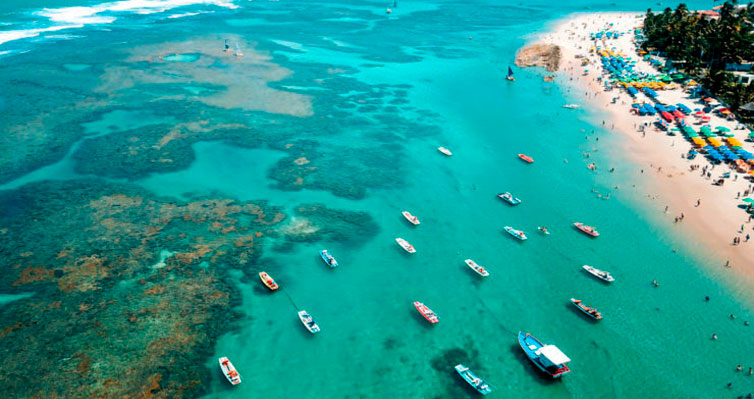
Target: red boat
pixel 587 229
pixel 426 312
pixel 526 158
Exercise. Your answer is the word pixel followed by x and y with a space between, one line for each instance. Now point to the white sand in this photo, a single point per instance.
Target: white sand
pixel 717 219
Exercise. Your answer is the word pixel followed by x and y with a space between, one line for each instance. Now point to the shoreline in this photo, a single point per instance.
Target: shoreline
pixel 717 220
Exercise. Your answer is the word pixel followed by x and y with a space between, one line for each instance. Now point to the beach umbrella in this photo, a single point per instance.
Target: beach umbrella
pixel 749 200
pixel 751 134
pixel 722 129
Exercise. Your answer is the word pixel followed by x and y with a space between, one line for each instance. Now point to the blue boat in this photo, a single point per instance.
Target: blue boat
pixel 328 258
pixel 547 358
pixel 473 380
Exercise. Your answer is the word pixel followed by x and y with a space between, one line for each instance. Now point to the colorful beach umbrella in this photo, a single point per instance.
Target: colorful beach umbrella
pixel 722 129
pixel 749 200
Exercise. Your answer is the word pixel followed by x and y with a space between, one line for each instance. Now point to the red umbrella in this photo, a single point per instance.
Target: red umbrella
pixel 709 99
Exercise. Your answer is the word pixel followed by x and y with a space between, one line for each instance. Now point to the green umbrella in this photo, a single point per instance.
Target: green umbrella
pixel 675 130
pixel 749 200
pixel 751 134
pixel 722 129
pixel 705 129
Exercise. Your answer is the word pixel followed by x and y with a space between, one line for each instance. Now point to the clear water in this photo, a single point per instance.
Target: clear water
pixel 653 342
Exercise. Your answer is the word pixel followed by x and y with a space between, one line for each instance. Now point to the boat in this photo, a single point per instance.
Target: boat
pixel 543 230
pixel 591 312
pixel 268 281
pixel 510 75
pixel 600 274
pixel 526 158
pixel 444 151
pixel 509 198
pixel 426 312
pixel 571 106
pixel 475 267
pixel 227 46
pixel 238 51
pixel 547 358
pixel 405 245
pixel 308 321
pixel 229 371
pixel 329 259
pixel 515 233
pixel 587 229
pixel 473 380
pixel 411 218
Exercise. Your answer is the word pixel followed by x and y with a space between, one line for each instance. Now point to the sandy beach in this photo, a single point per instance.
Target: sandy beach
pixel 670 185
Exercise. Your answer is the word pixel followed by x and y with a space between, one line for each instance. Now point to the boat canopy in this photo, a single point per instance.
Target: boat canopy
pixel 552 354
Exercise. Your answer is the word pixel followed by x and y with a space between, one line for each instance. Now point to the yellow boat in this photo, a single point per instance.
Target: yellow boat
pixel 268 281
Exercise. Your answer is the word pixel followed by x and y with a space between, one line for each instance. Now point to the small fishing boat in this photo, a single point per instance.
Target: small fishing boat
pixel 509 198
pixel 547 358
pixel 426 312
pixel 589 230
pixel 444 151
pixel 526 158
pixel 515 233
pixel 543 230
pixel 329 259
pixel 405 245
pixel 572 106
pixel 308 321
pixel 600 274
pixel 411 218
pixel 510 75
pixel 475 267
pixel 473 380
pixel 268 281
pixel 229 371
pixel 591 312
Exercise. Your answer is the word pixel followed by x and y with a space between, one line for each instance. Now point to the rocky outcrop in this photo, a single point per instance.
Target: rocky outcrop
pixel 543 55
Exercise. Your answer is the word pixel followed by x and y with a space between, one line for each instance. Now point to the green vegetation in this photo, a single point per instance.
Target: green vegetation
pixel 703 46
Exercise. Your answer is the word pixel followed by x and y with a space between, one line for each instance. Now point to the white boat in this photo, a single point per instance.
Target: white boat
pixel 444 151
pixel 600 274
pixel 509 198
pixel 475 267
pixel 238 51
pixel 572 106
pixel 515 233
pixel 411 218
pixel 405 245
pixel 229 371
pixel 308 321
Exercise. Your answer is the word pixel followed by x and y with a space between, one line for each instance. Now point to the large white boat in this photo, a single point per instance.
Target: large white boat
pixel 475 267
pixel 600 274
pixel 308 321
pixel 405 245
pixel 229 371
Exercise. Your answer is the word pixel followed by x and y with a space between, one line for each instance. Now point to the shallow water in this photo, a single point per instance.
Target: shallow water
pixel 386 91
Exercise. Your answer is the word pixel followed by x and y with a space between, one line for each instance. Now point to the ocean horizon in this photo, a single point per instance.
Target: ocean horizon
pixel 149 173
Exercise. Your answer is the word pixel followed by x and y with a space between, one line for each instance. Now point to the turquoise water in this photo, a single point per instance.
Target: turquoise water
pixel 386 91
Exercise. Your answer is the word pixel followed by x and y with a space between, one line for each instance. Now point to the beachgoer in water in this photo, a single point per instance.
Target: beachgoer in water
pixel 706 298
pixel 714 336
pixel 732 316
pixel 655 283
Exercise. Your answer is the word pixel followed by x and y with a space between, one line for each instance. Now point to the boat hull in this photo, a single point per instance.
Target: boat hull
pixel 426 312
pixel 606 277
pixel 476 268
pixel 411 218
pixel 268 281
pixel 229 371
pixel 515 233
pixel 472 379
pixel 405 245
pixel 329 259
pixel 588 230
pixel 526 340
pixel 308 321
pixel 526 158
pixel 585 309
